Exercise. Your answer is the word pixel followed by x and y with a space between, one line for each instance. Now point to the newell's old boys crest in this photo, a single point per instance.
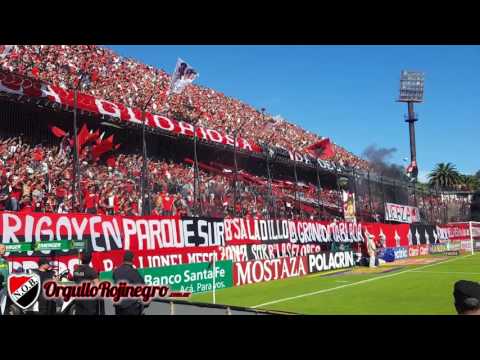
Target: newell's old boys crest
pixel 24 289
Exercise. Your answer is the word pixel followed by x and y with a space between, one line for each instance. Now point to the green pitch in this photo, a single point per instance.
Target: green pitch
pixel 410 290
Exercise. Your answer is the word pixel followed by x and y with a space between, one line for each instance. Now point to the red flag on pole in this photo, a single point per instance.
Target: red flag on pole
pixel 93 136
pixel 322 149
pixel 104 146
pixel 57 131
pixel 82 136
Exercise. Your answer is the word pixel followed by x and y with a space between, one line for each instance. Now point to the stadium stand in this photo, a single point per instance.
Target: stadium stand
pixel 115 78
pixel 36 176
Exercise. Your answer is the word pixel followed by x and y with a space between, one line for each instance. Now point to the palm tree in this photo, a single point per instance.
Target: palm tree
pixel 470 182
pixel 444 176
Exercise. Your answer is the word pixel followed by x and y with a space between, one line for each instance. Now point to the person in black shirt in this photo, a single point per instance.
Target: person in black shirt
pixel 82 273
pixel 467 297
pixel 127 273
pixel 45 307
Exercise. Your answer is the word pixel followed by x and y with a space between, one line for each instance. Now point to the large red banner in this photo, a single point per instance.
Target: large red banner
pixel 461 231
pixel 15 84
pixel 389 235
pixel 165 241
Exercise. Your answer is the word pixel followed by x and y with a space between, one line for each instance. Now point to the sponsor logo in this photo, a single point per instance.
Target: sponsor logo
pixel 413 250
pixel 454 246
pixel 400 252
pixel 330 261
pixel 251 272
pixel 418 250
pixel 452 253
pixel 193 278
pixel 437 249
pixel 23 289
pixel 423 250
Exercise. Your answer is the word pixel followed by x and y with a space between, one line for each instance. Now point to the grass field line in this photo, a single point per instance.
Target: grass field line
pixel 356 283
pixel 447 272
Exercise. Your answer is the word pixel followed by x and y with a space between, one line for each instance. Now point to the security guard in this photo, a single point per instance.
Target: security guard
pixel 3 268
pixel 85 273
pixel 127 273
pixel 45 306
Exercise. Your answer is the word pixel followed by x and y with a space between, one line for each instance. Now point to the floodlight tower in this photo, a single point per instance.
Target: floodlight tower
pixel 411 91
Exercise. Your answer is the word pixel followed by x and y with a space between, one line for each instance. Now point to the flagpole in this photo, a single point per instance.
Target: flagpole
pixel 235 133
pixel 214 277
pixel 235 173
pixel 75 152
pixel 76 165
pixel 319 188
pixel 296 179
pixel 144 184
pixel 195 175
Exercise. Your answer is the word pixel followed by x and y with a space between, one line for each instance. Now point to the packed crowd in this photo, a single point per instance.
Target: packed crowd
pixel 35 177
pixel 112 77
pixel 38 178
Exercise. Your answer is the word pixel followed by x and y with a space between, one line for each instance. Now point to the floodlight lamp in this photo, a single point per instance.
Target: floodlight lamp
pixel 411 86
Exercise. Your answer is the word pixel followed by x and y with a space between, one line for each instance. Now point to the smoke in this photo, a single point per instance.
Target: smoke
pixel 379 159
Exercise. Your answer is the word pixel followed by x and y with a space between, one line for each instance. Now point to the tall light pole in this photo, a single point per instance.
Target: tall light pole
pixel 411 91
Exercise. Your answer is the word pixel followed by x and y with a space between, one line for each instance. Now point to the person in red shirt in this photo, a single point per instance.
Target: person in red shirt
pixel 90 200
pixel 133 208
pixel 168 204
pixel 37 154
pixel 60 193
pixel 26 205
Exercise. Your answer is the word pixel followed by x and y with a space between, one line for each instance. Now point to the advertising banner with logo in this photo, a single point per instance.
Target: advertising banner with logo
pixel 252 272
pixel 461 231
pixel 457 231
pixel 193 278
pixel 401 213
pixel 400 252
pixel 438 248
pixel 330 261
pixel 418 250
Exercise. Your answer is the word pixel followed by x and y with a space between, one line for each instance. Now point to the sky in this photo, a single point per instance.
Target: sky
pixel 348 93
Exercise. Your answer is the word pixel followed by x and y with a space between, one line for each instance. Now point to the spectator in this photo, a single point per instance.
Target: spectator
pixel 467 297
